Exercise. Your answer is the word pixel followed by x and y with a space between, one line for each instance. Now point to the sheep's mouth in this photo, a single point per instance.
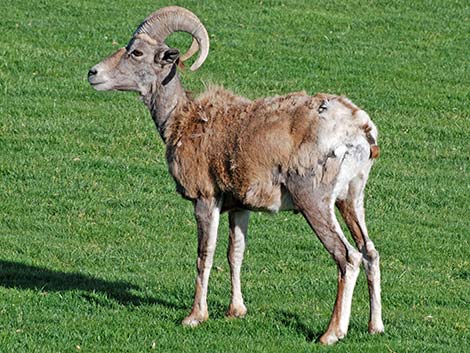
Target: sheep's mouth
pixel 103 86
pixel 99 86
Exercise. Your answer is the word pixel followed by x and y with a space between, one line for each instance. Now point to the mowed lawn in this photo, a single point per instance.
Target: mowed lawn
pixel 97 251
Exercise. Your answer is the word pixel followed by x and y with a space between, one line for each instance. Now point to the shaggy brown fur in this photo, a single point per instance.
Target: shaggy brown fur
pixel 223 143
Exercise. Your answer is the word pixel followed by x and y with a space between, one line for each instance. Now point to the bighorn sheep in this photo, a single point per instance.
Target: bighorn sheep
pixel 228 153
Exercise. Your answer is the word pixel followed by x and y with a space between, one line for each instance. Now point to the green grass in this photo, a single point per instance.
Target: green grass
pixel 97 251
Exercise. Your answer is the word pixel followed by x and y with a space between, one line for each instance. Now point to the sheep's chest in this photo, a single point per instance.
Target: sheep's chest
pixel 189 168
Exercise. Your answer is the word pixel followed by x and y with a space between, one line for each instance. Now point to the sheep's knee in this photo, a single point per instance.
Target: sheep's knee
pixel 354 258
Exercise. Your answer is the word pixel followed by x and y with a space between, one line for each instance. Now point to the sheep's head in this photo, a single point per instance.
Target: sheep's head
pixel 147 60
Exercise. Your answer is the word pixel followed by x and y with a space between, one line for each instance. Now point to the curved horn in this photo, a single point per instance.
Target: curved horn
pixel 163 22
pixel 191 51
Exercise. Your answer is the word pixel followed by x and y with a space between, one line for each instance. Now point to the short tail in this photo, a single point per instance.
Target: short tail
pixel 374 148
pixel 374 151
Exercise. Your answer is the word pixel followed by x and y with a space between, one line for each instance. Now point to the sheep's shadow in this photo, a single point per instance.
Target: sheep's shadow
pixel 21 276
pixel 294 321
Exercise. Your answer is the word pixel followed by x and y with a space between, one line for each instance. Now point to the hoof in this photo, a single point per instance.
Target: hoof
pixel 194 320
pixel 238 311
pixel 376 328
pixel 329 338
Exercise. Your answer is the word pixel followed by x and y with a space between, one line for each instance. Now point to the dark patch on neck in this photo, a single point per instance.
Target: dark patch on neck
pixel 170 76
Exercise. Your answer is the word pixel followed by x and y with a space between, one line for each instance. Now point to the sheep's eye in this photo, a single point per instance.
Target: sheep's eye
pixel 137 53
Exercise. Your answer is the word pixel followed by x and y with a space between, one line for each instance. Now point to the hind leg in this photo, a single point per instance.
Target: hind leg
pixel 318 209
pixel 352 210
pixel 322 219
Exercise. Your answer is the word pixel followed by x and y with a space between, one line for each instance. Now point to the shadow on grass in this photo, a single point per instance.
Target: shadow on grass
pixel 21 276
pixel 294 321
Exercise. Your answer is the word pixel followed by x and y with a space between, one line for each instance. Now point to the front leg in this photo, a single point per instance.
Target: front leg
pixel 238 221
pixel 207 212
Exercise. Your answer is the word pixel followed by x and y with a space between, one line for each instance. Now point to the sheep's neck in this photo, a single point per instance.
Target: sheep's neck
pixel 162 102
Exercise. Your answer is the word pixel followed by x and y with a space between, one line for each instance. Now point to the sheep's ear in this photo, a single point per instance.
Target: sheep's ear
pixel 169 56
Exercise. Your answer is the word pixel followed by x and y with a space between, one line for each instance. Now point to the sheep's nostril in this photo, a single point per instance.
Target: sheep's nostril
pixel 92 72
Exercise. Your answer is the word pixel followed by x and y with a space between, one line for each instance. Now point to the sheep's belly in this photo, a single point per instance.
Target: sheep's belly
pixel 268 197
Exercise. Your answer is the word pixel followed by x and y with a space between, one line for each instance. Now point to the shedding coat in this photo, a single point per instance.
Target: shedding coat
pixel 223 143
